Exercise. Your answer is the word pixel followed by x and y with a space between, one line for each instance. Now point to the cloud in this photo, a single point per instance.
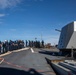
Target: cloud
pixel 38 0
pixel 8 3
pixel 41 0
pixel 1 22
pixel 12 29
pixel 34 0
pixel 2 15
pixel 11 3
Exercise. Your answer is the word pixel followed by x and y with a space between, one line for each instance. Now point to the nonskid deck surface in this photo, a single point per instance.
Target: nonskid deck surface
pixel 26 62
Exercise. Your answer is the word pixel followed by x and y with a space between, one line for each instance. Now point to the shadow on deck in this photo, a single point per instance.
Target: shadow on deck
pixel 10 71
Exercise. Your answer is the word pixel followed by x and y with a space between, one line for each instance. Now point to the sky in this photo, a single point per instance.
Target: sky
pixel 30 19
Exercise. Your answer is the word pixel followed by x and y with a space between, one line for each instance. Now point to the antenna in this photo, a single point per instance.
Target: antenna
pixel 41 36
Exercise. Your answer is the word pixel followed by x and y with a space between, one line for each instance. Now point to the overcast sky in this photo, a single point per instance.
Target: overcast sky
pixel 29 19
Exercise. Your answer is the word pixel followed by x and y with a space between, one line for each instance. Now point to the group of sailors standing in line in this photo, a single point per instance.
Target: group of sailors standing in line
pixel 10 45
pixel 18 44
pixel 36 44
